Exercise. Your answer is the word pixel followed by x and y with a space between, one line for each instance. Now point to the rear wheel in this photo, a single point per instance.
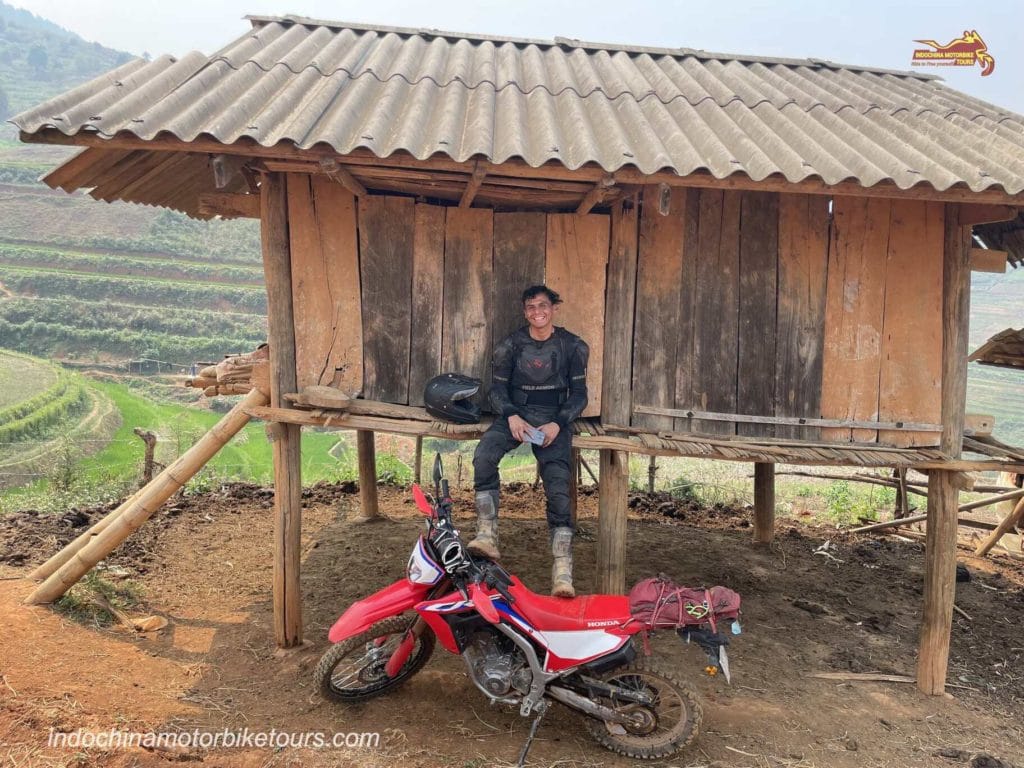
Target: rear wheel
pixel 659 730
pixel 353 670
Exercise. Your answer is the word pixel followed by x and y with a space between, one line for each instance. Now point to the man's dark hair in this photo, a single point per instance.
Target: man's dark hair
pixel 536 290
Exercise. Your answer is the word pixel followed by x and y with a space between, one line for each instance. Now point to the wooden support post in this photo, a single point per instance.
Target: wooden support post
pixel 902 501
pixel 764 503
pixel 417 471
pixel 286 438
pixel 1009 522
pixel 106 536
pixel 943 491
pixel 367 452
pixel 652 473
pixel 611 522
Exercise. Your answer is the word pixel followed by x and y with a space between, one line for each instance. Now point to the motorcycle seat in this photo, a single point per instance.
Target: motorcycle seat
pixel 576 613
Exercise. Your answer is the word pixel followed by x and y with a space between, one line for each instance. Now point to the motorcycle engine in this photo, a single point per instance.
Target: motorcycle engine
pixel 498 665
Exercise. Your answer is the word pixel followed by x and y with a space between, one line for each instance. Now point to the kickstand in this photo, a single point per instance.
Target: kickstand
pixel 529 738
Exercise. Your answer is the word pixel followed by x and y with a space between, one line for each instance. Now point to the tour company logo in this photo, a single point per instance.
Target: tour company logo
pixel 964 51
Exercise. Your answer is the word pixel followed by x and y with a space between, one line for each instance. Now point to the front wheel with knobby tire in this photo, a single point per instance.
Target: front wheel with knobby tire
pixel 669 724
pixel 354 669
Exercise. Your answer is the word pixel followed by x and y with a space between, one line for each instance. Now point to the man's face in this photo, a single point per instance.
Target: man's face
pixel 539 311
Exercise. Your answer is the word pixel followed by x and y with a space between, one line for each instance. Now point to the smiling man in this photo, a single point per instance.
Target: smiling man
pixel 539 387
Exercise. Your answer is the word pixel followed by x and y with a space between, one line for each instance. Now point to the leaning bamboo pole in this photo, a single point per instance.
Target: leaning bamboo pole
pixel 1009 522
pixel 65 554
pixel 142 506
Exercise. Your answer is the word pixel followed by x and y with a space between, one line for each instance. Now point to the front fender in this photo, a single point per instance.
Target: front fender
pixel 390 601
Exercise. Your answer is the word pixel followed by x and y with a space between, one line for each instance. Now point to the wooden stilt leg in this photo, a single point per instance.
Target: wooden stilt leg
pixel 764 503
pixel 611 522
pixel 939 583
pixel 367 475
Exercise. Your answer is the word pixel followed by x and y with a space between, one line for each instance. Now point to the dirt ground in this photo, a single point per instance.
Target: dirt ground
pixel 204 563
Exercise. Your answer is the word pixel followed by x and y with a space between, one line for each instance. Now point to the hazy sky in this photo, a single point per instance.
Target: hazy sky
pixel 862 32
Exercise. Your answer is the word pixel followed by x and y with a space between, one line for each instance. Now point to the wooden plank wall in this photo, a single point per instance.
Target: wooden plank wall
pixel 750 303
pixel 756 304
pixel 398 292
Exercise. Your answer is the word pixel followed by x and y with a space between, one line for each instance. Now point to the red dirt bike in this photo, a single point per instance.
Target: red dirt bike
pixel 521 648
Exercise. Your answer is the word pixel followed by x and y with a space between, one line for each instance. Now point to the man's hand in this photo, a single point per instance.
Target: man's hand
pixel 517 425
pixel 550 430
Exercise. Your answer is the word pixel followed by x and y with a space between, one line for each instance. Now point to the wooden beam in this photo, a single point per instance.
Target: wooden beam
pixel 973 214
pixel 367 453
pixel 552 169
pixel 286 437
pixel 597 194
pixel 988 260
pixel 337 172
pixel 613 501
pixel 976 424
pixel 792 420
pixel 475 180
pixel 229 206
pixel 764 502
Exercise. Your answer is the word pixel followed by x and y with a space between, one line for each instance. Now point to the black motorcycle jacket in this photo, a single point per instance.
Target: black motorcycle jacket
pixel 550 374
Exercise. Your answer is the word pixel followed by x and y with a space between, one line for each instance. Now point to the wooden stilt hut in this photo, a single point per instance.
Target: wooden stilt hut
pixel 770 258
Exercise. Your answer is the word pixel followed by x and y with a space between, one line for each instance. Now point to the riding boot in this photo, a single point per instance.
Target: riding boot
pixel 561 570
pixel 485 543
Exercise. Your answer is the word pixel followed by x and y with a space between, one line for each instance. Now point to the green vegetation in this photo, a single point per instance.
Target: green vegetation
pixel 135 290
pixel 33 416
pixel 22 376
pixel 27 257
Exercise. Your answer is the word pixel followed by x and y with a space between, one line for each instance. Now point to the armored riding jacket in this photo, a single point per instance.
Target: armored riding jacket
pixel 549 374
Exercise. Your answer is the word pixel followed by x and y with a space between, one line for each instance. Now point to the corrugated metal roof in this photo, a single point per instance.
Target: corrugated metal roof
pixel 348 86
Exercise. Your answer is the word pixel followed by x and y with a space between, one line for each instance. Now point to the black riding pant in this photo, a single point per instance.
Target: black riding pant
pixel 554 462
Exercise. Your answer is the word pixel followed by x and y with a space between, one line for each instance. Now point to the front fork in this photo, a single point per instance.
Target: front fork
pixel 404 650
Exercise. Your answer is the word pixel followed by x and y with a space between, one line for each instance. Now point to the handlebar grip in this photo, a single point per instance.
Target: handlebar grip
pixel 483 604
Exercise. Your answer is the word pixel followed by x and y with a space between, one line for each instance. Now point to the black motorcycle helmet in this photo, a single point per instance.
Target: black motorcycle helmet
pixel 447 397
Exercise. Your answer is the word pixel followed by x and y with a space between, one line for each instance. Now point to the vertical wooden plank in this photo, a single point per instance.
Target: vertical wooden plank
pixel 758 272
pixel 659 267
pixel 620 301
pixel 274 231
pixel 576 261
pixel 764 503
pixel 854 304
pixel 956 315
pixel 910 379
pixel 612 504
pixel 466 323
pixel 685 344
pixel 716 312
pixel 325 284
pixel 386 227
pixel 427 286
pixel 800 336
pixel 520 240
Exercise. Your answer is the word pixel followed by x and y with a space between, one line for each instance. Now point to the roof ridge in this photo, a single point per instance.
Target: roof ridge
pixel 596 90
pixel 565 42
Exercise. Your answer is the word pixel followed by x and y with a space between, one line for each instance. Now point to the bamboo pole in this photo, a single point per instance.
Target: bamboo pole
pixel 920 518
pixel 1009 522
pixel 142 506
